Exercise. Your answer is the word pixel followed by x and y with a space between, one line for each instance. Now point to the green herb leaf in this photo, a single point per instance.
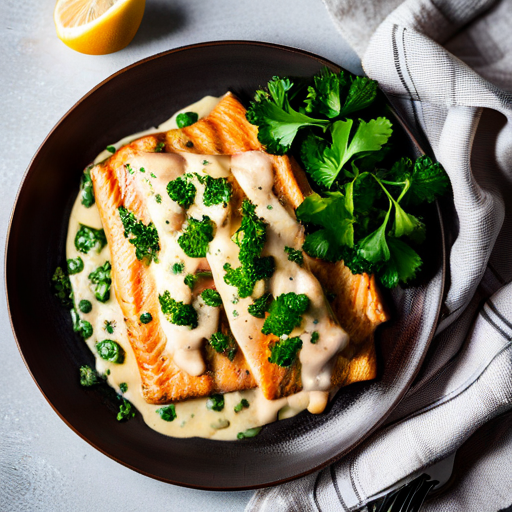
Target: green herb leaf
pixel 85 306
pixel 101 277
pixel 75 265
pixel 178 268
pixel 260 306
pixel 278 123
pixel 86 188
pixel 182 190
pixel 126 411
pixel 123 387
pixel 403 265
pixel 145 318
pixel 315 337
pixel 223 345
pixel 295 255
pixel 324 162
pixel 217 191
pixel 186 119
pixel 243 404
pixel 144 238
pixel 211 298
pixel 285 313
pixel 111 351
pixel 62 288
pixel 324 96
pixel 284 352
pixel 247 434
pixel 82 327
pixel 361 94
pixel 111 149
pixel 196 237
pixel 374 247
pixel 167 413
pixel 177 313
pixel 215 403
pixel 89 377
pixel 190 280
pixel 88 238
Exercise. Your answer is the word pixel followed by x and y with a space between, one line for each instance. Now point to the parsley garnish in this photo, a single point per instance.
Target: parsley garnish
pixel 211 298
pixel 294 255
pixel 86 188
pixel 111 149
pixel 178 268
pixel 126 411
pixel 223 345
pixel 196 237
pixel 89 238
pixel 285 313
pixel 314 337
pixel 260 306
pixel 123 387
pixel 176 312
pixel 243 404
pixel 101 277
pixel 62 288
pixel 215 403
pixel 284 352
pixel 167 413
pixel 159 147
pixel 88 377
pixel 182 190
pixel 144 238
pixel 186 119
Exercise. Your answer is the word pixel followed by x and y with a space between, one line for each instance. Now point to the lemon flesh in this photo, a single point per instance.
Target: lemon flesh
pixel 98 27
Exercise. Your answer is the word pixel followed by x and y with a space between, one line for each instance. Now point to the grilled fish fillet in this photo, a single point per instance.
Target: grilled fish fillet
pixel 357 303
pixel 135 289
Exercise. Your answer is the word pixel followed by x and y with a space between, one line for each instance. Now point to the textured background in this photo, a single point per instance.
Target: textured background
pixel 44 466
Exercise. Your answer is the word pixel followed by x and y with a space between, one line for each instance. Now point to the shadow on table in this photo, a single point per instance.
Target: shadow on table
pixel 160 20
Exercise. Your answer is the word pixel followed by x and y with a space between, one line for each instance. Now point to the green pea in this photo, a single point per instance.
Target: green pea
pixel 85 306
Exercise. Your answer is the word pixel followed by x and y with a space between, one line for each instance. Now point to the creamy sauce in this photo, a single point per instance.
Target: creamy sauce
pixel 255 175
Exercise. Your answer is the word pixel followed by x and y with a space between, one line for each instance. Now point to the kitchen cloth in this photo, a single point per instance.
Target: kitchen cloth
pixel 446 66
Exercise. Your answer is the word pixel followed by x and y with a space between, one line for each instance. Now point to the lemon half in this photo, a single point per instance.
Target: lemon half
pixel 97 27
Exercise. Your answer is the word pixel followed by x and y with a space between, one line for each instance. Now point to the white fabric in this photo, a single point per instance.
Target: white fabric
pixel 446 65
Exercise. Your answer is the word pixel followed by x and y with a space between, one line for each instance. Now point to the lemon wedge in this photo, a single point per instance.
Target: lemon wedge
pixel 97 27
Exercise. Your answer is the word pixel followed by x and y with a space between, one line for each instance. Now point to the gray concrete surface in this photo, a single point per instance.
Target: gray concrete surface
pixel 44 466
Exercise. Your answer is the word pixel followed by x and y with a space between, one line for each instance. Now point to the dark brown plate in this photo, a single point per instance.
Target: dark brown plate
pixel 136 98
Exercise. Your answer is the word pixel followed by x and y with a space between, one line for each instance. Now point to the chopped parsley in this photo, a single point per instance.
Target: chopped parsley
pixel 62 288
pixel 145 318
pixel 176 312
pixel 88 377
pixel 243 404
pixel 167 413
pixel 101 277
pixel 186 119
pixel 82 327
pixel 205 162
pixel 109 326
pixel 196 237
pixel 111 351
pixel 215 403
pixel 85 306
pixel 178 268
pixel 223 345
pixel 295 255
pixel 250 238
pixel 144 238
pixel 158 198
pixel 126 411
pixel 111 149
pixel 260 306
pixel 314 337
pixel 217 191
pixel 129 168
pixel 75 265
pixel 123 387
pixel 284 352
pixel 88 238
pixel 86 188
pixel 285 314
pixel 182 191
pixel 247 434
pixel 211 298
pixel 159 147
pixel 190 280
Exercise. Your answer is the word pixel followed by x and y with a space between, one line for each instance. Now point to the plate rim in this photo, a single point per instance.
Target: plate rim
pixel 7 259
